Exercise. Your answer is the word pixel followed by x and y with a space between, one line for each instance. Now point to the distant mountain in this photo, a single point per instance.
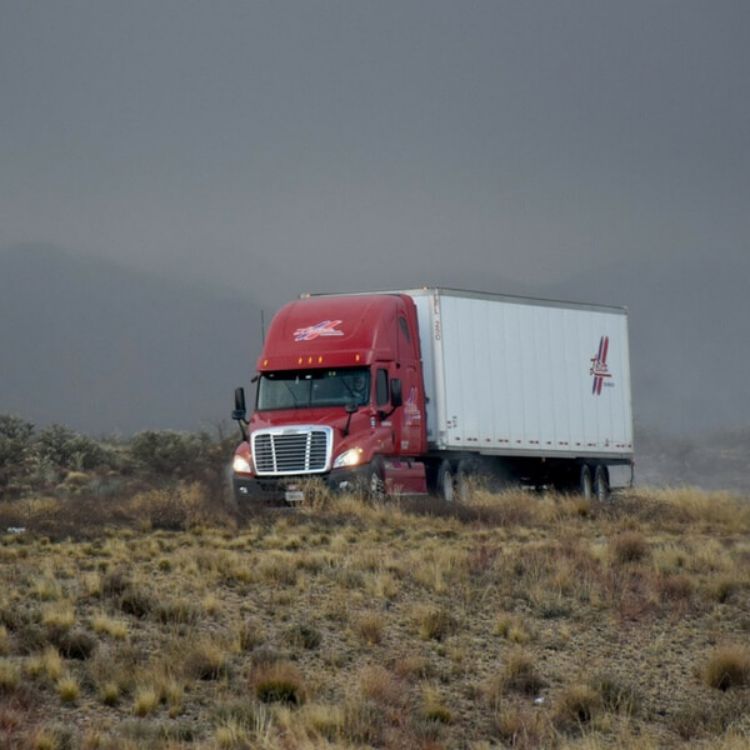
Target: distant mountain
pixel 105 349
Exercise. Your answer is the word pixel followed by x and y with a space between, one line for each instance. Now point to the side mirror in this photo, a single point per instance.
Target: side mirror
pixel 240 410
pixel 396 396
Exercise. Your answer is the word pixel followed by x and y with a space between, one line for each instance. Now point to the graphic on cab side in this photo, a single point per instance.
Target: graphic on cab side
pixel 324 328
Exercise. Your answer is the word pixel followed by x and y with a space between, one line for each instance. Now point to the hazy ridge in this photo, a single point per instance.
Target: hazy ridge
pixel 104 349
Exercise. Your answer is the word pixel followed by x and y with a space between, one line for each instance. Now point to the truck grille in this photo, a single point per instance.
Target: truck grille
pixel 292 450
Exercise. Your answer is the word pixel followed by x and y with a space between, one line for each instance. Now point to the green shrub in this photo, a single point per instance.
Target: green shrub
pixel 16 455
pixel 67 450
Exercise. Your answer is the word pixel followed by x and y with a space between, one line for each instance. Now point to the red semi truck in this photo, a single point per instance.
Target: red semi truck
pixel 417 391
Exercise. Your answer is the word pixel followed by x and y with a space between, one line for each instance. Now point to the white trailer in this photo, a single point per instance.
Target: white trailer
pixel 538 381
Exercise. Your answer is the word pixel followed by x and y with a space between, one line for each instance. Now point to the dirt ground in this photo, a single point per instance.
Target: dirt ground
pixel 514 621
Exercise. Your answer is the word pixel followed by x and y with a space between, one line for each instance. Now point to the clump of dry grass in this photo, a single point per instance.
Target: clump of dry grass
pixel 303 636
pixel 676 588
pixel 46 588
pixel 68 689
pixel 413 667
pixel 251 634
pixel 317 496
pixel 434 623
pixel 576 706
pixel 364 723
pixel 369 627
pixel 280 682
pixel 204 660
pixel 512 628
pixel 434 707
pixel 10 676
pixel 110 693
pixel 145 701
pixel 76 644
pixel 278 568
pixel 232 735
pixel 179 611
pixel 725 587
pixel 380 685
pixel 629 547
pixel 105 625
pixel 520 674
pixel 175 508
pixel 517 726
pixel 48 664
pixel 617 694
pixel 322 720
pixel 728 667
pixel 136 600
pixel 58 617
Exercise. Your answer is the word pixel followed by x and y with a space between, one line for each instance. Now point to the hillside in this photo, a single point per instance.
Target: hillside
pixel 160 621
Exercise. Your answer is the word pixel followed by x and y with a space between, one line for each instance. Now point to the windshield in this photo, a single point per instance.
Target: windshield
pixel 303 389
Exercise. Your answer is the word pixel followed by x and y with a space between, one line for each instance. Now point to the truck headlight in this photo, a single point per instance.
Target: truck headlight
pixel 241 465
pixel 352 457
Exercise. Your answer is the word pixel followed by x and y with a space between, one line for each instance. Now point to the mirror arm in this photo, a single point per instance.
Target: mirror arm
pixel 242 424
pixel 350 411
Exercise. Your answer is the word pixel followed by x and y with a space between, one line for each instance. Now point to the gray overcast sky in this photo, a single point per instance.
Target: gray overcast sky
pixel 287 145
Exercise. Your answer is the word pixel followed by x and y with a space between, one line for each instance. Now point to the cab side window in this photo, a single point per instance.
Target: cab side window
pixel 381 388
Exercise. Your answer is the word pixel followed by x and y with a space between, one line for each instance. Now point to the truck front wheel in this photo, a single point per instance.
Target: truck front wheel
pixel 375 487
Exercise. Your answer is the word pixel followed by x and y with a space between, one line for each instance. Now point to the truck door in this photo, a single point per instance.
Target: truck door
pixel 411 415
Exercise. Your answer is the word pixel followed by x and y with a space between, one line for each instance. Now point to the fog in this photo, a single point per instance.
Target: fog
pixel 248 151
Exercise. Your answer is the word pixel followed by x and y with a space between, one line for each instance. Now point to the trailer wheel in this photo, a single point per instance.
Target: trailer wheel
pixel 585 483
pixel 468 476
pixel 601 484
pixel 446 482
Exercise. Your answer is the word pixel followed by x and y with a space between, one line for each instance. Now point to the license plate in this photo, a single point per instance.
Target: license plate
pixel 294 496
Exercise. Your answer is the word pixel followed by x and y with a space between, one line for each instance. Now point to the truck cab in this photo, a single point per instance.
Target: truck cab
pixel 340 397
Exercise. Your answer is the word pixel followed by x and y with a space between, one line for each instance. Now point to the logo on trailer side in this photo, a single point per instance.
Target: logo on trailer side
pixel 599 368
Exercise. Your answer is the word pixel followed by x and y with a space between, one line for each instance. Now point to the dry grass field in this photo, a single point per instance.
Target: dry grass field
pixel 519 620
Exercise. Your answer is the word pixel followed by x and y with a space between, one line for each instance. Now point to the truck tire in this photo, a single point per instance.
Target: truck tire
pixel 601 484
pixel 585 482
pixel 446 482
pixel 375 489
